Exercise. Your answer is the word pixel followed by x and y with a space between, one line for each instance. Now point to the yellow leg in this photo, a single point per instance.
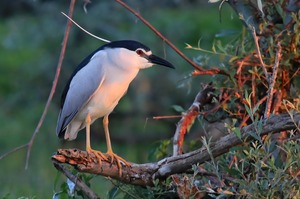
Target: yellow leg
pixel 109 148
pixel 98 154
pixel 106 131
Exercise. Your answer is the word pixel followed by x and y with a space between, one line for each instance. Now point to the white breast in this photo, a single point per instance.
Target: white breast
pixel 108 94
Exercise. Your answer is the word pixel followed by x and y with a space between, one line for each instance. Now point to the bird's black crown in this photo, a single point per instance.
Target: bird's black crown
pixel 128 44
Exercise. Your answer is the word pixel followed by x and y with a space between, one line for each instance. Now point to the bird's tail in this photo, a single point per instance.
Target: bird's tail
pixel 70 133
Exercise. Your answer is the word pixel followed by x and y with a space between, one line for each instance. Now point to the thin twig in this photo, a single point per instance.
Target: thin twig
pixel 77 181
pixel 243 123
pixel 254 84
pixel 13 150
pixel 84 30
pixel 272 81
pixel 263 65
pixel 220 105
pixel 160 35
pixel 166 117
pixel 59 65
pixel 120 187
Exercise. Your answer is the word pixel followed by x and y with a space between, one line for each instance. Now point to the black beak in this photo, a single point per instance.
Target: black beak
pixel 157 60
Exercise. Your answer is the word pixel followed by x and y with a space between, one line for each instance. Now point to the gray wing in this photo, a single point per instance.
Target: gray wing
pixel 82 86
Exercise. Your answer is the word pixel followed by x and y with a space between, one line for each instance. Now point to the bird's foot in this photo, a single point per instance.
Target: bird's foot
pixel 119 160
pixel 100 156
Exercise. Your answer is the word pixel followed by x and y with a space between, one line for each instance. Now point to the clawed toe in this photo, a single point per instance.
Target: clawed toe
pixel 111 157
pixel 100 156
pixel 119 160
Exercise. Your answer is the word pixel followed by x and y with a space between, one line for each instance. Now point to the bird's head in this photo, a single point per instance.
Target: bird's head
pixel 129 53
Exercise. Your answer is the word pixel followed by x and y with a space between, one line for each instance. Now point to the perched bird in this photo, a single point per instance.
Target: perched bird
pixel 97 85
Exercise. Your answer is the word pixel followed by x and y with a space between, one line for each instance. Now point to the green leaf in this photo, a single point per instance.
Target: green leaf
pixel 237 132
pixel 254 135
pixel 178 108
pixel 56 179
pixel 113 192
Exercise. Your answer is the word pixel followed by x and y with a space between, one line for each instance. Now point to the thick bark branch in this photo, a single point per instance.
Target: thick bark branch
pixel 143 174
pixel 138 174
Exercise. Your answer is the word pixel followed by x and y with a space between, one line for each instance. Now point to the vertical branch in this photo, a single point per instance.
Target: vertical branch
pixel 272 81
pixel 270 78
pixel 59 65
pixel 202 98
pixel 254 85
pixel 263 65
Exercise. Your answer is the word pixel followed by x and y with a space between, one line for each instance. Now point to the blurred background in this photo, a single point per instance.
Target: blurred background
pixel 31 34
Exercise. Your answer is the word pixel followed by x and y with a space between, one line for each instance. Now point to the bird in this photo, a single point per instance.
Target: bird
pixel 95 88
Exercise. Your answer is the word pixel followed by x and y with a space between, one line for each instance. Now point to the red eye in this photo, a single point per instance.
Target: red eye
pixel 139 52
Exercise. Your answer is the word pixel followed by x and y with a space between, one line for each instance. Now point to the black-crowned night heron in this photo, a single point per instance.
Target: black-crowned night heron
pixel 97 85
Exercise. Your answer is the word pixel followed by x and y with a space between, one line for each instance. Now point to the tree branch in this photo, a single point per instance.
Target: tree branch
pixel 272 80
pixel 199 70
pixel 202 98
pixel 144 174
pixel 79 183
